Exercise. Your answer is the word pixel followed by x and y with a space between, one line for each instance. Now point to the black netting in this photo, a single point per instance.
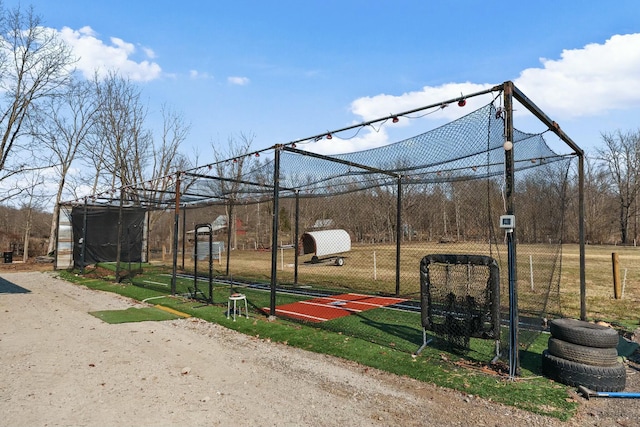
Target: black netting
pixel 460 297
pixel 466 149
pixel 95 234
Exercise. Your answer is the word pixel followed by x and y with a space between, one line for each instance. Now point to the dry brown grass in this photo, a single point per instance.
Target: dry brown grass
pixel 601 303
pixel 359 274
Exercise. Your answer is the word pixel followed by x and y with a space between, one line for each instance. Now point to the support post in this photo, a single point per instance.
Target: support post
pixel 297 240
pixel 398 233
pixel 184 238
pixel 147 233
pixel 583 279
pixel 176 222
pixel 514 360
pixel 617 286
pixel 84 237
pixel 119 237
pixel 230 230
pixel 274 226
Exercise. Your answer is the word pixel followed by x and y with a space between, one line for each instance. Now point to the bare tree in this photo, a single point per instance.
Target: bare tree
pixel 621 159
pixel 35 198
pixel 166 158
pixel 121 146
pixel 599 219
pixel 236 150
pixel 62 126
pixel 34 64
pixel 121 151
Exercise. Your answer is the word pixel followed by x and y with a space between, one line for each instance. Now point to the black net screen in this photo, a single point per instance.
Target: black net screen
pixel 100 240
pixel 460 297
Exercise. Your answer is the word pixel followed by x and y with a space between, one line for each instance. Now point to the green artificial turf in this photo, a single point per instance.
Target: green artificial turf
pixel 133 314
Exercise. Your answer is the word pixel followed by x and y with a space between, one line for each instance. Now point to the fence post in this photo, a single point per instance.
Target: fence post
pixel 531 270
pixel 615 262
pixel 375 267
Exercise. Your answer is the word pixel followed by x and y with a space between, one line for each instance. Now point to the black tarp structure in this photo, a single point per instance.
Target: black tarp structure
pixel 98 242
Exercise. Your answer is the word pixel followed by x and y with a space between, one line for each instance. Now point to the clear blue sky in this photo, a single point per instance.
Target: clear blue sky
pixel 285 70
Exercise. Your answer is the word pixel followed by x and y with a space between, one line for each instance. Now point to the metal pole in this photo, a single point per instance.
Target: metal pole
pixel 119 243
pixel 398 233
pixel 230 229
pixel 275 226
pixel 195 260
pixel 147 233
pixel 210 263
pixel 176 222
pixel 296 239
pixel 583 280
pixel 184 237
pixel 84 237
pixel 514 362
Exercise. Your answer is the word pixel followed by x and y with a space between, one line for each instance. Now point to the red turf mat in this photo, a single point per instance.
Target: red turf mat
pixel 333 307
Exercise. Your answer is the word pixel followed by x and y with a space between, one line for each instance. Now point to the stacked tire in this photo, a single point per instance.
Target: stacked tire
pixel 584 354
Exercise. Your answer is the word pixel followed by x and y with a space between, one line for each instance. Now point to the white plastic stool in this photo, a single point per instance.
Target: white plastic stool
pixel 235 298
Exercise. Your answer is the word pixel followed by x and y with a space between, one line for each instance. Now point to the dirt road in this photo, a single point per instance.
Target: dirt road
pixel 62 366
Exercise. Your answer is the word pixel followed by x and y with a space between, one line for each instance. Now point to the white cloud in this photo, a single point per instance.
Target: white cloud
pixel 149 52
pixel 588 81
pixel 585 82
pixel 367 138
pixel 94 55
pixel 240 81
pixel 375 107
pixel 371 108
pixel 195 74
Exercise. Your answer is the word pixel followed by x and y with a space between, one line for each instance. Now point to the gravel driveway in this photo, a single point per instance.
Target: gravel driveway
pixel 62 366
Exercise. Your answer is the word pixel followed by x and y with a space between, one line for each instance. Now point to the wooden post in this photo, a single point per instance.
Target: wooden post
pixel 615 262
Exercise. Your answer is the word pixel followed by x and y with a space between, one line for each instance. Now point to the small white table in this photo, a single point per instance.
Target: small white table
pixel 235 298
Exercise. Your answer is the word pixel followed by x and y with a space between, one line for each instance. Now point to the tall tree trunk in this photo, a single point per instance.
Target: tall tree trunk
pixel 27 234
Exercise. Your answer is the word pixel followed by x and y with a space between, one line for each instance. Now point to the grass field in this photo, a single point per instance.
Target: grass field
pixel 601 304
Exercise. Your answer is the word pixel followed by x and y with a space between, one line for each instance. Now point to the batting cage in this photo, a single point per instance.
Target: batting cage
pixel 102 234
pixel 411 244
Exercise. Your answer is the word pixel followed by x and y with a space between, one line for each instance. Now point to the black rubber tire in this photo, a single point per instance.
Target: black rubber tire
pixel 593 356
pixel 597 378
pixel 584 333
pixel 339 261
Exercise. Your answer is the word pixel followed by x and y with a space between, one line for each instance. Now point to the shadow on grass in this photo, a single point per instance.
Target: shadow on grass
pixel 531 362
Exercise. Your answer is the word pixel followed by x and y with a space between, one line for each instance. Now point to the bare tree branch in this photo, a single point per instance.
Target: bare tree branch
pixel 34 64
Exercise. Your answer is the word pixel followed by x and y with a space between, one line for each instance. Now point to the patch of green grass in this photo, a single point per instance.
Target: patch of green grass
pixel 133 314
pixel 386 340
